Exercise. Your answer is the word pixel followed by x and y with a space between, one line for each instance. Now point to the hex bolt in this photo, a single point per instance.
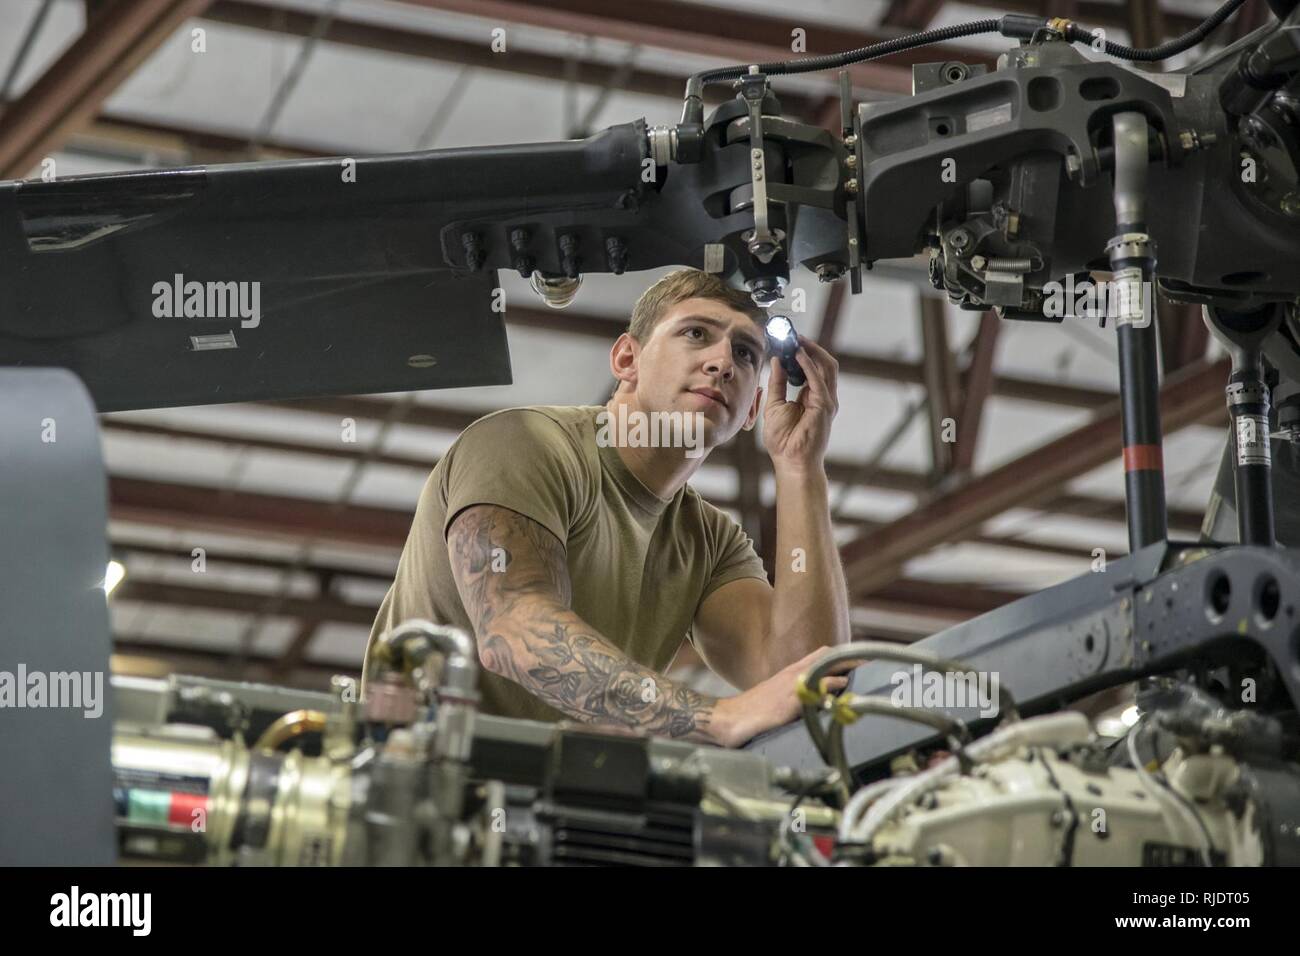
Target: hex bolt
pixel 569 255
pixel 616 255
pixel 474 254
pixel 521 261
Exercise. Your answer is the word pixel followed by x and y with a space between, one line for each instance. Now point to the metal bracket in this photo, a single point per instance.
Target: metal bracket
pixel 762 243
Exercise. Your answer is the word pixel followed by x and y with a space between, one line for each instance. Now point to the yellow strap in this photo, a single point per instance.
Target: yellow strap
pixel 806 694
pixel 842 709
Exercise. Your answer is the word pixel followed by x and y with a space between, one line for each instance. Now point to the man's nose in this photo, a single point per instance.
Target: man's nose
pixel 719 362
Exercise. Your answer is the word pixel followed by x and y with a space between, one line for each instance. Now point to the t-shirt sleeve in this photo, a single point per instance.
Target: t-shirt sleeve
pixel 736 557
pixel 522 460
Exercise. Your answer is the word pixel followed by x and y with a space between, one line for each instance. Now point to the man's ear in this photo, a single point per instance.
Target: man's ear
pixel 623 359
pixel 751 419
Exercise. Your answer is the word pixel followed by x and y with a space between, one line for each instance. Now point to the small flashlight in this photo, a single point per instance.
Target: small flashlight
pixel 780 332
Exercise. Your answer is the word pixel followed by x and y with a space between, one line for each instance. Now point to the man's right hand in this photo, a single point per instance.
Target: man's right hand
pixel 770 704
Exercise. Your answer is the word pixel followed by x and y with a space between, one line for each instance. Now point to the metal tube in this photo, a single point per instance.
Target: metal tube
pixel 293 724
pixel 1248 403
pixel 460 667
pixel 407 647
pixel 1132 258
pixel 1249 408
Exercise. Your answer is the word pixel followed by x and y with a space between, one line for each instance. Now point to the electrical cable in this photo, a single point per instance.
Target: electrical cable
pixel 831 61
pixel 882 650
pixel 863 799
pixel 849 706
pixel 1060 729
pixel 729 799
pixel 1013 26
pixel 806 854
pixel 814 698
pixel 1074 32
pixel 1156 787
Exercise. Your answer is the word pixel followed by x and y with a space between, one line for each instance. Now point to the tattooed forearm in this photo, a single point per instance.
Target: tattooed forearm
pixel 513 579
pixel 581 674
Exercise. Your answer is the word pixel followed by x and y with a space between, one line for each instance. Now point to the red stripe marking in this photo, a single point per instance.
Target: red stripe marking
pixel 1143 458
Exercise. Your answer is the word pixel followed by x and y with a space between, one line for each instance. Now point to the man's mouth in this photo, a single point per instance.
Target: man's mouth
pixel 712 393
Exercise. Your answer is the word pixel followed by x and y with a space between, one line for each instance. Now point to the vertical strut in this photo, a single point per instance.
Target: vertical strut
pixel 1132 260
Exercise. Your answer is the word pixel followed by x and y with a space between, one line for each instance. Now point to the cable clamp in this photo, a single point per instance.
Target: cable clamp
pixel 842 709
pixel 805 693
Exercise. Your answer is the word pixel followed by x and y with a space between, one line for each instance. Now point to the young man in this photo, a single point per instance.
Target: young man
pixel 566 540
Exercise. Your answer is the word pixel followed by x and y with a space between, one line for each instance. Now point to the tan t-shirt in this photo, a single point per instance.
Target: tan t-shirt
pixel 640 565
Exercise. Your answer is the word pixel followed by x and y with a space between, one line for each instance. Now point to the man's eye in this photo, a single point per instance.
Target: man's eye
pixel 693 328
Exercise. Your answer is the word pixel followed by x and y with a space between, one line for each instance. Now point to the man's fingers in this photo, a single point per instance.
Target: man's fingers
pixel 823 357
pixel 826 363
pixel 816 376
pixel 839 667
pixel 776 383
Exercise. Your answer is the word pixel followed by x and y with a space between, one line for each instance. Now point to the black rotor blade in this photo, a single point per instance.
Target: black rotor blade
pixel 298 278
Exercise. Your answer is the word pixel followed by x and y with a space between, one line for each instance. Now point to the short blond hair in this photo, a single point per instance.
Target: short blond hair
pixel 683 284
pixel 678 286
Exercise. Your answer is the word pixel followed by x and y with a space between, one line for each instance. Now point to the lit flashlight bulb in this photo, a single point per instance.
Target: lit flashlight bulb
pixel 779 327
pixel 784 342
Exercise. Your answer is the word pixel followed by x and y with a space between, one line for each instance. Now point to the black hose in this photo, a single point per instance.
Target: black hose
pixel 874 51
pixel 1012 25
pixel 693 111
pixel 1173 47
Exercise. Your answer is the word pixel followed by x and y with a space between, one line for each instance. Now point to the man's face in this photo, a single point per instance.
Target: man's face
pixel 702 356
